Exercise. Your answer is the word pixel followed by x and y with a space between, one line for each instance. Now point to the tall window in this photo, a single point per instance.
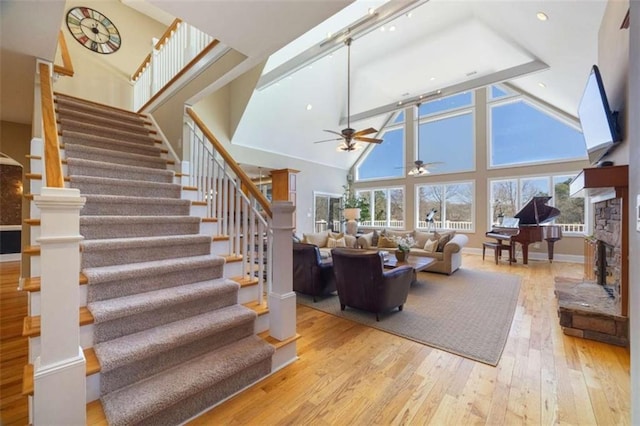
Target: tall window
pixel 446 131
pixel 453 203
pixel 328 211
pixel 386 207
pixel 523 133
pixel 384 160
pixel 508 196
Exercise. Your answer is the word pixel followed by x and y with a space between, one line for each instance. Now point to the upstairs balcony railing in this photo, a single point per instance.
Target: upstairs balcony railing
pixel 180 46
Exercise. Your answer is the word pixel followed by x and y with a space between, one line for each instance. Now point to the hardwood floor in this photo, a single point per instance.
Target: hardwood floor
pixel 351 374
pixel 13 347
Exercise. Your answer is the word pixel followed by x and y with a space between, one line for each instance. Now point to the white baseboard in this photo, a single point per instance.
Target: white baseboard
pixel 11 257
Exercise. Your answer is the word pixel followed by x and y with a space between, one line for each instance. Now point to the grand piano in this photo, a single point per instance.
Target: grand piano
pixel 533 227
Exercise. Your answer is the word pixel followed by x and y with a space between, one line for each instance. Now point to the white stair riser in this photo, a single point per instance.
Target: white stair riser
pixel 220 247
pixel 208 228
pixel 93 387
pixel 261 324
pixel 284 356
pixel 86 341
pixel 200 211
pixel 248 294
pixel 232 269
pixel 189 195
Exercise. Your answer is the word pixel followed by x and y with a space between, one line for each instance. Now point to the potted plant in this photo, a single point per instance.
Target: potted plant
pixel 404 246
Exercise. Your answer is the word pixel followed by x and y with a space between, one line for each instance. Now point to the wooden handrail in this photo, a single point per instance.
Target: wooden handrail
pixel 246 180
pixel 51 144
pixel 158 45
pixel 67 66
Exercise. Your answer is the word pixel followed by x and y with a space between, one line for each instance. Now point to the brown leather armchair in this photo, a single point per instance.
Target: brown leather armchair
pixel 363 283
pixel 311 275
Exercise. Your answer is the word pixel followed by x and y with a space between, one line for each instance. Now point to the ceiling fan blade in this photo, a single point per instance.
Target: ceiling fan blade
pixel 370 140
pixel 329 140
pixel 365 132
pixel 334 132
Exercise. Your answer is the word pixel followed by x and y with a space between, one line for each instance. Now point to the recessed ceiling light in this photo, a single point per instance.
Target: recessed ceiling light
pixel 399 103
pixel 371 11
pixel 409 15
pixel 432 78
pixel 542 16
pixel 541 84
pixel 309 106
pixel 382 28
pixel 392 28
pixel 329 35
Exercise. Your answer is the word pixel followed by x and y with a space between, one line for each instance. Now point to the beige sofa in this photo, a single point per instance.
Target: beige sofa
pixel 326 240
pixel 447 246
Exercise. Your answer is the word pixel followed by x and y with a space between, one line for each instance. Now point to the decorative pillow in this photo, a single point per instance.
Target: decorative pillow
pixel 430 246
pixel 399 234
pixel 335 235
pixel 387 242
pixel 336 242
pixel 421 238
pixel 319 238
pixel 443 239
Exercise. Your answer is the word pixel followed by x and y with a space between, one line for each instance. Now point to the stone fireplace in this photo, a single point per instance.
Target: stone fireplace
pixel 597 308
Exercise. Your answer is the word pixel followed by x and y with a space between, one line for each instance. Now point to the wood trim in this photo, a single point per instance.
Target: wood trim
pixel 51 144
pixel 38 176
pixel 258 308
pixel 253 189
pixel 180 73
pixel 158 45
pixel 33 284
pixel 67 66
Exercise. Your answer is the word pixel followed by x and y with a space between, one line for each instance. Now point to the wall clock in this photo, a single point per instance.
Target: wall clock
pixel 93 30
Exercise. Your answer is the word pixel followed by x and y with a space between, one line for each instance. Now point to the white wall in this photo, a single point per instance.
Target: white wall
pixel 634 191
pixel 105 78
pixel 215 111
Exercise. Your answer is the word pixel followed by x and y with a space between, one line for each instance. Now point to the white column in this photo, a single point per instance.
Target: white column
pixel 282 298
pixel 59 371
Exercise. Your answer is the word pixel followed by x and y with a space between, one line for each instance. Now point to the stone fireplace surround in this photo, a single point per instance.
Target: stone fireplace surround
pixel 596 309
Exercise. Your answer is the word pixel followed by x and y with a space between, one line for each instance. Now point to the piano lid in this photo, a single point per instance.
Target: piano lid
pixel 537 212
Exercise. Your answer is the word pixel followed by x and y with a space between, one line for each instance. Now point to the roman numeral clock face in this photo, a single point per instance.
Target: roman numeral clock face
pixel 93 30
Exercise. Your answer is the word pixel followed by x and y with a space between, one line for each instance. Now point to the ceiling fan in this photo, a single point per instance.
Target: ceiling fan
pixel 421 168
pixel 348 135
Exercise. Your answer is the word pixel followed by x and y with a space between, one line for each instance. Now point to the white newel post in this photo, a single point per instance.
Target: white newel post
pixel 282 298
pixel 59 371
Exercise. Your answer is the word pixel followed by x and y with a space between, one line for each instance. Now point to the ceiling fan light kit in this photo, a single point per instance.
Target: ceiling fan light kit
pixel 349 135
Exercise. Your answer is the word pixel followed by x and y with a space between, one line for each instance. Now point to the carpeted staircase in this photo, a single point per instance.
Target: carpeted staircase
pixel 169 334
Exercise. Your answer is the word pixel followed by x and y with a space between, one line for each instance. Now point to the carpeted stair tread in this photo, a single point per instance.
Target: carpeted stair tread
pixel 113 144
pixel 118 251
pixel 134 206
pixel 134 347
pixel 124 187
pixel 97 120
pixel 106 131
pixel 65 102
pixel 84 152
pixel 141 400
pixel 82 167
pixel 108 310
pixel 104 274
pixel 106 227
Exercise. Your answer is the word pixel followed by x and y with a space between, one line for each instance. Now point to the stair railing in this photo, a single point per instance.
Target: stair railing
pixel 180 46
pixel 52 159
pixel 242 210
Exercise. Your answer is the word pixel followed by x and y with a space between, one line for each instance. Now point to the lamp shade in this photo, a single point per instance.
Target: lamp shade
pixel 352 214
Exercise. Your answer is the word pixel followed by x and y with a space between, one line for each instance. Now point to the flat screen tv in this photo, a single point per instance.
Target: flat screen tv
pixel 599 123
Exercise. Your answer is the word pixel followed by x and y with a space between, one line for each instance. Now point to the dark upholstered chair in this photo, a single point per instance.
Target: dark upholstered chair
pixel 311 275
pixel 362 282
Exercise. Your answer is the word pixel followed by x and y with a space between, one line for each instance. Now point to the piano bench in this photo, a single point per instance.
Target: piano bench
pixel 497 249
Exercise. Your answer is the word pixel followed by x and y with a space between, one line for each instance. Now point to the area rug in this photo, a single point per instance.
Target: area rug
pixel 468 313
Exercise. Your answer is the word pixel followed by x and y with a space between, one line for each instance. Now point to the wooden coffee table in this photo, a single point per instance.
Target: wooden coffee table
pixel 419 263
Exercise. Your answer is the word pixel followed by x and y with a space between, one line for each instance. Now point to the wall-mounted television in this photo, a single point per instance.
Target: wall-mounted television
pixel 599 123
